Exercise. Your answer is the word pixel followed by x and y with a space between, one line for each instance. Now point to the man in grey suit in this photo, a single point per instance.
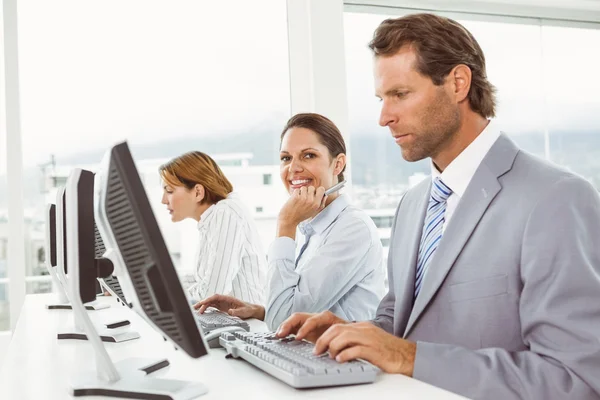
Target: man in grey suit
pixel 494 263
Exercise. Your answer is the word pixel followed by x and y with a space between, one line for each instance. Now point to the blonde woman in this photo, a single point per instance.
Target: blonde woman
pixel 230 258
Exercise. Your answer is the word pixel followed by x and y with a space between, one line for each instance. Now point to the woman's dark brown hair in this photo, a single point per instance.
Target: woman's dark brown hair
pixel 329 135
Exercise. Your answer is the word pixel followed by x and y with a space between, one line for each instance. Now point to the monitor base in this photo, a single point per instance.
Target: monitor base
pixel 106 336
pixel 135 384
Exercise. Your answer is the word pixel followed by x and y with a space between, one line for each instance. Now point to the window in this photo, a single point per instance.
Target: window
pixel 267 179
pixel 167 91
pixel 571 110
pixel 259 209
pixel 384 221
pixel 525 62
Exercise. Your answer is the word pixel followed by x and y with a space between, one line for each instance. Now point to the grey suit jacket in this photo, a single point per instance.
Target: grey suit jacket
pixel 510 304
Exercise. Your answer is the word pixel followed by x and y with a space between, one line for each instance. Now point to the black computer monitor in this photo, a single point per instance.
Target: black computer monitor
pixel 50 247
pixel 61 232
pixel 80 226
pixel 52 260
pixel 128 227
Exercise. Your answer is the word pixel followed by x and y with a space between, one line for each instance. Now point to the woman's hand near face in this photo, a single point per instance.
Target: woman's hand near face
pixel 304 203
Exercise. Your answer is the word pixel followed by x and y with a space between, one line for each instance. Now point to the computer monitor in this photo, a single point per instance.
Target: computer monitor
pixel 148 277
pixel 110 283
pixel 50 248
pixel 51 260
pixel 128 226
pixel 61 237
pixel 59 270
pixel 78 229
pixel 82 239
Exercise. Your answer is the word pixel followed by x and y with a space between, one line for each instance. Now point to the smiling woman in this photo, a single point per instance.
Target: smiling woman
pixel 336 264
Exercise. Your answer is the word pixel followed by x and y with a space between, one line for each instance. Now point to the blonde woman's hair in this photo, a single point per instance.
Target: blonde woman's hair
pixel 194 168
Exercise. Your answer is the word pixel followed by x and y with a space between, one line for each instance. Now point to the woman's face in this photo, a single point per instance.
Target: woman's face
pixel 306 162
pixel 181 202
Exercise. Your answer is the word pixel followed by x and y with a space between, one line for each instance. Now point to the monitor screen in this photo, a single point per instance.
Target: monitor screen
pixel 50 249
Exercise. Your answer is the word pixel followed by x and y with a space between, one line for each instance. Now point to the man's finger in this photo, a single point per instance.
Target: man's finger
pixel 348 337
pixel 356 352
pixel 318 321
pixel 332 332
pixel 291 325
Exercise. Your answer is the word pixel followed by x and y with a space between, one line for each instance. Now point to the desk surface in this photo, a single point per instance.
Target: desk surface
pixel 37 366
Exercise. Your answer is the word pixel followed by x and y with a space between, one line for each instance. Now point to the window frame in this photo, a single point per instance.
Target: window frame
pixel 317 79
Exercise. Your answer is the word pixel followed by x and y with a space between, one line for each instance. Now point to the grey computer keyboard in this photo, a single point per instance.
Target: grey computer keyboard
pixel 293 362
pixel 213 319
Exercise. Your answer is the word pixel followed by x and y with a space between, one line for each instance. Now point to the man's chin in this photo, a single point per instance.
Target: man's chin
pixel 412 156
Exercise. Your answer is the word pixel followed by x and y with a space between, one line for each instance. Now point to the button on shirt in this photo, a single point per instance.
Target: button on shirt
pixel 336 266
pixel 459 173
pixel 230 258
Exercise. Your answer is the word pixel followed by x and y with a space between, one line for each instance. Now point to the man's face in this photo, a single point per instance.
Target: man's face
pixel 422 117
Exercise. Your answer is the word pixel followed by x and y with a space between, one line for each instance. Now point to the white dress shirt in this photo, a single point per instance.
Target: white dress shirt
pixel 460 171
pixel 336 266
pixel 230 258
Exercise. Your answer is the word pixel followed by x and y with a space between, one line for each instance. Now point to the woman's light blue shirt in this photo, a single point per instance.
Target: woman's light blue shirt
pixel 337 266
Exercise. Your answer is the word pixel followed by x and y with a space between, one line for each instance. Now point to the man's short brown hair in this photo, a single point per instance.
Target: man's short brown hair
pixel 440 45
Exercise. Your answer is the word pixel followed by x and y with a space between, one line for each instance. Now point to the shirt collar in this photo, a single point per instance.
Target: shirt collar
pixel 325 218
pixel 461 170
pixel 207 215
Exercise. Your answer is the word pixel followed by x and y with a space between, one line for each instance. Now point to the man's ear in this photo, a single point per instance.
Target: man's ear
pixel 460 77
pixel 199 192
pixel 340 163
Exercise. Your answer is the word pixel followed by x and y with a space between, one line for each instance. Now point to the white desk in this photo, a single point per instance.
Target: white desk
pixel 37 366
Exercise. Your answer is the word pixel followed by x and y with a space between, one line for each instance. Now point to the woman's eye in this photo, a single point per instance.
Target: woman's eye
pixel 285 158
pixel 309 155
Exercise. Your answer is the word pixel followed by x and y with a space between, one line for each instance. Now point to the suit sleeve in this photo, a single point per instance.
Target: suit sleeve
pixel 559 312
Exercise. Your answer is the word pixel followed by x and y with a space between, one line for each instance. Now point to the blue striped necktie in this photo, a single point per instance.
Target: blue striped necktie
pixel 432 229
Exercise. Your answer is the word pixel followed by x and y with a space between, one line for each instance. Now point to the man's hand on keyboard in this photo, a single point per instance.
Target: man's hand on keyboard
pixel 308 326
pixel 231 306
pixel 366 341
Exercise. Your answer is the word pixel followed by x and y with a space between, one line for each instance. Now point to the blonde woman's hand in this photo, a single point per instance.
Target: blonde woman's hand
pixel 232 306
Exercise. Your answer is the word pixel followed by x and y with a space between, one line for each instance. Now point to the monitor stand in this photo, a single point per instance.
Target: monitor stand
pixel 128 378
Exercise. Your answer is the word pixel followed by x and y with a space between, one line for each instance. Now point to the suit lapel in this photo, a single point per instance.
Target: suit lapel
pixel 409 223
pixel 482 189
